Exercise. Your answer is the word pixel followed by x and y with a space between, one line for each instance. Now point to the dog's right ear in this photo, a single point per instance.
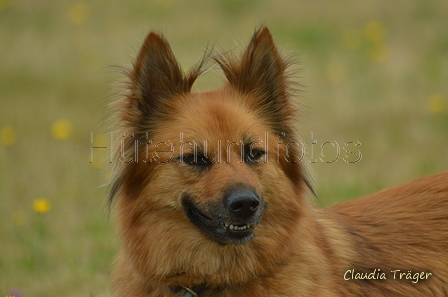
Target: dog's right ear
pixel 156 76
pixel 154 80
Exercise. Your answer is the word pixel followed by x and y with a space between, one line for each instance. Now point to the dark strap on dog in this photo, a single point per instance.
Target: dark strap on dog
pixel 190 292
pixel 195 291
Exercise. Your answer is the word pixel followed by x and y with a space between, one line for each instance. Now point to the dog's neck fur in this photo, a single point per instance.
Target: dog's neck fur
pixel 301 254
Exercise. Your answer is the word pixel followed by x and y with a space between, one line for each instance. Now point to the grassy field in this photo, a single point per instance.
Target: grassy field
pixel 374 73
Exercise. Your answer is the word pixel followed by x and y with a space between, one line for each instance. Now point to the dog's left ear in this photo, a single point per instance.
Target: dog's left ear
pixel 261 75
pixel 261 71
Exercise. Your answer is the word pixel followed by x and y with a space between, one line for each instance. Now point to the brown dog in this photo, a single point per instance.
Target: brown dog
pixel 211 200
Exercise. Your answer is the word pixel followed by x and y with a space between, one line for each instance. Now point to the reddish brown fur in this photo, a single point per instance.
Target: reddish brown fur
pixel 298 249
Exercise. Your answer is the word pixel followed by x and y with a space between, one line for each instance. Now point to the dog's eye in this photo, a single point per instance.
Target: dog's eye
pixel 194 160
pixel 254 156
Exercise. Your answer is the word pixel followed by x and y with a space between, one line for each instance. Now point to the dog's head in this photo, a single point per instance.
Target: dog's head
pixel 208 182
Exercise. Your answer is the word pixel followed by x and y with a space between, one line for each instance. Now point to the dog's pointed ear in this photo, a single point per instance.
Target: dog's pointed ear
pixel 261 69
pixel 154 81
pixel 156 75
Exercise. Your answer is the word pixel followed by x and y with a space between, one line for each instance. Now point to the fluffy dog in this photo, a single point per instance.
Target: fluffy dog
pixel 211 200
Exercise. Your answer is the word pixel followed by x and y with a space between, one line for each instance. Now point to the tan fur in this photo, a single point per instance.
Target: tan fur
pixel 298 249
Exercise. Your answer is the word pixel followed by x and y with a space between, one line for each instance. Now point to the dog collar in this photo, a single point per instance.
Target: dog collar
pixel 190 292
pixel 195 291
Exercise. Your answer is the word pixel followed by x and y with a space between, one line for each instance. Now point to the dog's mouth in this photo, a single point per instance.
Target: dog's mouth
pixel 221 230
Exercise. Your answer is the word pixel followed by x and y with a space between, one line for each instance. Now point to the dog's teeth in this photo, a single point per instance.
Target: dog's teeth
pixel 236 227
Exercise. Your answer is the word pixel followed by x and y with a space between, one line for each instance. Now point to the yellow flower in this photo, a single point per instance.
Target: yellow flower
pixel 374 31
pixel 41 205
pixel 79 13
pixel 8 135
pixel 61 129
pixel 437 103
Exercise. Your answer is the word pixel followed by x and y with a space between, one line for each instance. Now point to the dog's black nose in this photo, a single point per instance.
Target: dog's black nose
pixel 243 204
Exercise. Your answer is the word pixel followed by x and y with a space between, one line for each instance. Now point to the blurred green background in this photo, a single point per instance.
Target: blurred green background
pixel 373 72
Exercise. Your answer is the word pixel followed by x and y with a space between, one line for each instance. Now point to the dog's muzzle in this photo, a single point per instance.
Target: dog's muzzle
pixel 232 219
